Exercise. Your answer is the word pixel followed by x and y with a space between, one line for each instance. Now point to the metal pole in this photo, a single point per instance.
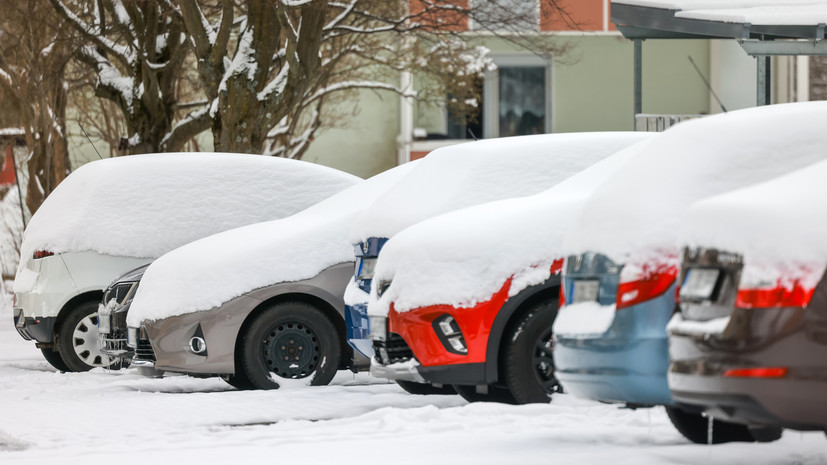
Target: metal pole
pixel 764 80
pixel 638 76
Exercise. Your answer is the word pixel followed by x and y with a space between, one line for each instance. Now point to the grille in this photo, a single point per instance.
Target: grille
pixel 392 350
pixel 114 344
pixel 144 350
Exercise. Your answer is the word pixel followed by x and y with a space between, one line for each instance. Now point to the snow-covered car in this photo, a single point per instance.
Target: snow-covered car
pixel 260 305
pixel 619 280
pixel 461 176
pixel 749 343
pixel 112 215
pixel 468 298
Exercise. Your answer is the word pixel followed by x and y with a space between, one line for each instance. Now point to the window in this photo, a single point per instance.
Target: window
pixel 523 15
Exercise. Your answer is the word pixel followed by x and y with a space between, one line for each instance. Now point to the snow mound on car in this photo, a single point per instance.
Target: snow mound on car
pixel 464 257
pixel 773 225
pixel 143 206
pixel 206 273
pixel 639 209
pixel 463 175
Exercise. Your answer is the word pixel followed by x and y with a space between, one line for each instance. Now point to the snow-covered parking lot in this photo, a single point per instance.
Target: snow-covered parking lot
pixel 122 418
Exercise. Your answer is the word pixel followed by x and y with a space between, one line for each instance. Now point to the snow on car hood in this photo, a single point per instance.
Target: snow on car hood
pixel 777 226
pixel 206 273
pixel 464 257
pixel 640 208
pixel 463 175
pixel 143 206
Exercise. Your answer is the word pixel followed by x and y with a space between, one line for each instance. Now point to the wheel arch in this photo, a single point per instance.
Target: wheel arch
pixel 508 316
pixel 88 296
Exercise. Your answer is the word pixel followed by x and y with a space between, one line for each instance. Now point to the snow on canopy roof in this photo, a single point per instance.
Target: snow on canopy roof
pixel 468 174
pixel 779 14
pixel 240 260
pixel 776 221
pixel 464 257
pixel 145 205
pixel 714 4
pixel 640 208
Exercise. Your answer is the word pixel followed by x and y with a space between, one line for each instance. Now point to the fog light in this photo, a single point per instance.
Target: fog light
pixel 198 345
pixel 448 331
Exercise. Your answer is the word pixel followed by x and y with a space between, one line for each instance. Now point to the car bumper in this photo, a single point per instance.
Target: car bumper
pixel 358 328
pixel 768 337
pixel 628 363
pixel 37 329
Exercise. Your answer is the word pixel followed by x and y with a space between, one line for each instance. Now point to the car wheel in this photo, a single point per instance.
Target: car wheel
pixel 494 394
pixel 77 340
pixel 290 340
pixel 695 427
pixel 53 357
pixel 425 388
pixel 529 367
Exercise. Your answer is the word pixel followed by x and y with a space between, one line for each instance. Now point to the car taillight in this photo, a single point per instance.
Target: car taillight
pixel 779 296
pixel 764 372
pixel 639 283
pixel 780 286
pixel 42 254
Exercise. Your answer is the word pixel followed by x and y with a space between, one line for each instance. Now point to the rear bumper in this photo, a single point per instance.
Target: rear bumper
pixel 755 338
pixel 789 403
pixel 37 329
pixel 628 363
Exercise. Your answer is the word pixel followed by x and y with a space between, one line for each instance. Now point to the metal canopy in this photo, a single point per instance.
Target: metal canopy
pixel 638 23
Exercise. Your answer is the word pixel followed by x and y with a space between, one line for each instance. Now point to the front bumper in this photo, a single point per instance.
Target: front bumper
pixel 39 329
pixel 358 328
pixel 627 363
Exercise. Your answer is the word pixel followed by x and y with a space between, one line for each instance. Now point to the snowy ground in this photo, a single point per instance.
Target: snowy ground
pixel 123 418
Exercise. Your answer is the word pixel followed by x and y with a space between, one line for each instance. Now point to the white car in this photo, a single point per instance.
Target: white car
pixel 113 215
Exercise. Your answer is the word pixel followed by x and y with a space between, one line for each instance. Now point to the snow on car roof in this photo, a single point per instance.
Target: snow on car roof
pixel 240 260
pixel 143 206
pixel 468 174
pixel 638 210
pixel 464 257
pixel 779 220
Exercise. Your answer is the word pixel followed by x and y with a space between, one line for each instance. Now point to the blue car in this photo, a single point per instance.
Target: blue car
pixel 621 275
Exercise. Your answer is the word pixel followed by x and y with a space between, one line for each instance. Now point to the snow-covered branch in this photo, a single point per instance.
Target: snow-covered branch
pixel 124 54
pixel 350 85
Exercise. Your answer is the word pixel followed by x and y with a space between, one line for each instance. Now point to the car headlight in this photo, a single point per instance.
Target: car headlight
pixel 132 337
pixel 381 287
pixel 365 268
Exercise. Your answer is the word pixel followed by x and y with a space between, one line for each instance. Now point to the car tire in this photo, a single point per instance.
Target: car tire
pixel 425 388
pixel 291 340
pixel 694 426
pixel 527 355
pixel 77 340
pixel 238 381
pixel 54 359
pixel 494 394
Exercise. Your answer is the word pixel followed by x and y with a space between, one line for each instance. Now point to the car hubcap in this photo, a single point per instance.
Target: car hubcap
pixel 85 342
pixel 291 350
pixel 543 362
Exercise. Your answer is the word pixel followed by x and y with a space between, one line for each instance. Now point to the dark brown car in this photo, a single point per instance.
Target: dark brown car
pixel 752 356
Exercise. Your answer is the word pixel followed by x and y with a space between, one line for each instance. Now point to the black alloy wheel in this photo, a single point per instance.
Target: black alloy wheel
pixel 291 340
pixel 528 355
